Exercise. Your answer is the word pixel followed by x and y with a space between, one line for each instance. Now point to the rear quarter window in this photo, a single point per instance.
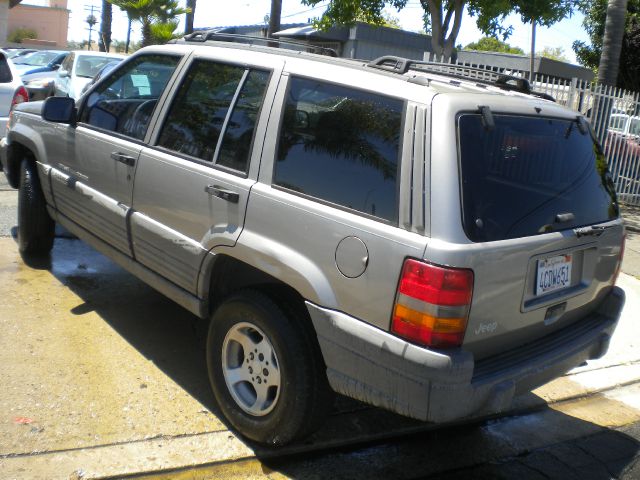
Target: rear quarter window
pixel 518 176
pixel 341 145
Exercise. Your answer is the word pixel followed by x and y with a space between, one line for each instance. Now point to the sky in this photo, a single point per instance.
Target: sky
pixel 212 13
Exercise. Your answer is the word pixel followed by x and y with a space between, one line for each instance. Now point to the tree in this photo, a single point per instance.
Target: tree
pixel 163 32
pixel 554 53
pixel 274 17
pixel 443 18
pixel 148 12
pixel 492 44
pixel 594 23
pixel 188 23
pixel 104 40
pixel 612 42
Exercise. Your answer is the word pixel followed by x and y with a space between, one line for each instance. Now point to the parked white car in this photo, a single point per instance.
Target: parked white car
pixel 12 90
pixel 78 69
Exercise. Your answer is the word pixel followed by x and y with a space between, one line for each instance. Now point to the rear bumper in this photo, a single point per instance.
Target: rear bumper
pixel 378 368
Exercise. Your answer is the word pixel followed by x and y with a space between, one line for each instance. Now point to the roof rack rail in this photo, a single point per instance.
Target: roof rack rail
pixel 215 35
pixel 506 82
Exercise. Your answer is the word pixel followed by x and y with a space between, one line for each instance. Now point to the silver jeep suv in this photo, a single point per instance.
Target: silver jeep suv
pixel 430 244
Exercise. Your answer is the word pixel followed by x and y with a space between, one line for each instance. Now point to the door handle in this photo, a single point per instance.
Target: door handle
pixel 228 195
pixel 122 158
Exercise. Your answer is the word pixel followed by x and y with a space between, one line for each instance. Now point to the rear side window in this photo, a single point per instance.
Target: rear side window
pixel 213 98
pixel 341 145
pixel 522 176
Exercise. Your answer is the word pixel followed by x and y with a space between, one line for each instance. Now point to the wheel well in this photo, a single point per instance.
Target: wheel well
pixel 16 153
pixel 230 275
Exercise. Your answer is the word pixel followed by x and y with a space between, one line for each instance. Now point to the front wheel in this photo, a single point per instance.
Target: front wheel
pixel 36 229
pixel 266 373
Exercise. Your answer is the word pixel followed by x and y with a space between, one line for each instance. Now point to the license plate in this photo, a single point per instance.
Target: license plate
pixel 554 273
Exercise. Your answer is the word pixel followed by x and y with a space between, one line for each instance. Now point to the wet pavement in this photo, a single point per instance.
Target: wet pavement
pixel 102 377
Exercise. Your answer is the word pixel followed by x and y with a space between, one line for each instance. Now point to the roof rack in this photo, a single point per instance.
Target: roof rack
pixel 505 82
pixel 215 35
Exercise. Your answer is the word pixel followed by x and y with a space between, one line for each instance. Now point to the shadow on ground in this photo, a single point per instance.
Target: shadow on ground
pixel 357 441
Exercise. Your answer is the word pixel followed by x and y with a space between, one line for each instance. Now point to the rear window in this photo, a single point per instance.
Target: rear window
pixel 530 175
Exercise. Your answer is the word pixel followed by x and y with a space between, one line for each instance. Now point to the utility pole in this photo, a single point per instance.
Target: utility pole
pixel 126 45
pixel 91 21
pixel 533 51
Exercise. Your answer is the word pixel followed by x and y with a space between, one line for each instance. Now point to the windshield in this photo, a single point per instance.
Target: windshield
pixel 37 59
pixel 618 123
pixel 88 67
pixel 531 175
pixel 634 126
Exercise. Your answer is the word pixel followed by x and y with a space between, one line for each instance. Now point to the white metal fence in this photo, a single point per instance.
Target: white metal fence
pixel 614 114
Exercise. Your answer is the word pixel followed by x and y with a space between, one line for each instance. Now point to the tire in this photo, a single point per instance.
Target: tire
pixel 36 229
pixel 266 370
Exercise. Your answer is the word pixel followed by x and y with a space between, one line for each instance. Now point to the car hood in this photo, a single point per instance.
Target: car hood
pixel 37 76
pixel 29 69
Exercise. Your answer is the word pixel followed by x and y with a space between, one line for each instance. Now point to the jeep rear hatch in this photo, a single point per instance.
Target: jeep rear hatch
pixel 537 222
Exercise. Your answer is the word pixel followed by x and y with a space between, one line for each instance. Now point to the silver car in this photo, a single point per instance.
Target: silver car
pixel 12 91
pixel 77 71
pixel 430 244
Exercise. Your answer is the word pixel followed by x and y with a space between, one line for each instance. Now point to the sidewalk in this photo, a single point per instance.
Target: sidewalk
pixel 631 215
pixel 631 262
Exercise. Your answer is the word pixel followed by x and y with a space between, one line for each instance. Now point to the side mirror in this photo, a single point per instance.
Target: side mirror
pixel 62 73
pixel 59 110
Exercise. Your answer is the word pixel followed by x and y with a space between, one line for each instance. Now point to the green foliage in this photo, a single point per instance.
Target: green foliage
pixel 148 12
pixel 492 44
pixel 556 53
pixel 162 33
pixel 442 18
pixel 594 22
pixel 491 14
pixel 20 34
pixel 347 12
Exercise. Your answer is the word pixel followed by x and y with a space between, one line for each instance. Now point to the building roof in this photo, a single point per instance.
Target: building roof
pixel 521 63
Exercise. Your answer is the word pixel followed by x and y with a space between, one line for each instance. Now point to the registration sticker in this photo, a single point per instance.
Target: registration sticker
pixel 554 273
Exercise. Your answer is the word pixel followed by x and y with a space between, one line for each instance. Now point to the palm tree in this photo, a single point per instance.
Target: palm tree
pixel 104 40
pixel 612 42
pixel 274 17
pixel 188 24
pixel 162 32
pixel 149 11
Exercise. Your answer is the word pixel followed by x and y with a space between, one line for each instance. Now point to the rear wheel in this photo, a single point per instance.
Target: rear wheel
pixel 36 229
pixel 266 373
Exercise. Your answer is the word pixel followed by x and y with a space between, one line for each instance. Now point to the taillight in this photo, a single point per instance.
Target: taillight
pixel 619 264
pixel 432 304
pixel 20 96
